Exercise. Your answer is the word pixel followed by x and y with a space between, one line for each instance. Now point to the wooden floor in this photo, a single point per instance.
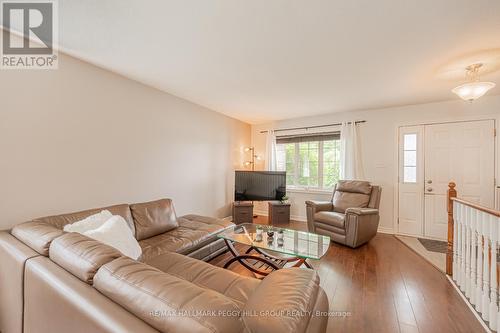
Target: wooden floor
pixel 384 287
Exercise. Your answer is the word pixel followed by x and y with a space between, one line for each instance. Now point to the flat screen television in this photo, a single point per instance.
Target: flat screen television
pixel 259 185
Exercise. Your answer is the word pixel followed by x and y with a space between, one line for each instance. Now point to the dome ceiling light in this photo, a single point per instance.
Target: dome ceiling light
pixel 474 88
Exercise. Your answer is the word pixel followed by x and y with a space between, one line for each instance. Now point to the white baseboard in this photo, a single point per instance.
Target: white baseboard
pixel 419 236
pixel 385 230
pixel 298 218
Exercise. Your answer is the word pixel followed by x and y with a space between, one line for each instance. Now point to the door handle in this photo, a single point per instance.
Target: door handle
pixel 429 189
pixel 429 181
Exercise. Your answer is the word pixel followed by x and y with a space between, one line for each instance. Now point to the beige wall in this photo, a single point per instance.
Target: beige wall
pixel 81 137
pixel 379 143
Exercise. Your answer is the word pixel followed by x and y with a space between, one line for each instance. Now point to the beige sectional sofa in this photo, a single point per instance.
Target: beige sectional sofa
pixel 52 281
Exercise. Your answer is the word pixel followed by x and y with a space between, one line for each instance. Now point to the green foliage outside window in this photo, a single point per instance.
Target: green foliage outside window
pixel 314 164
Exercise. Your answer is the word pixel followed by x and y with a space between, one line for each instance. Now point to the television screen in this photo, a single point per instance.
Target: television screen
pixel 259 185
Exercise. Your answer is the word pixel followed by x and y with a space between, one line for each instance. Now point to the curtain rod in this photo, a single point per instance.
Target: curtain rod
pixel 316 126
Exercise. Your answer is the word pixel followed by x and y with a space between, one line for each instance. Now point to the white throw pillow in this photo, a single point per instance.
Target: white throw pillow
pixel 89 223
pixel 115 232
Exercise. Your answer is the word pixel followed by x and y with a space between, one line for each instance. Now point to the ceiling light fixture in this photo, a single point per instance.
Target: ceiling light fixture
pixel 474 88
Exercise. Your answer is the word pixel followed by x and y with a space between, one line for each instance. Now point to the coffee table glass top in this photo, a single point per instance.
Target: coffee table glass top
pixel 297 243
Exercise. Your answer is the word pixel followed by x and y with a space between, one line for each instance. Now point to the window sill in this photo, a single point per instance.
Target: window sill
pixel 308 191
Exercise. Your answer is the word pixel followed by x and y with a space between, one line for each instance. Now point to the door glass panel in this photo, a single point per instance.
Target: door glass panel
pixel 410 174
pixel 410 158
pixel 410 141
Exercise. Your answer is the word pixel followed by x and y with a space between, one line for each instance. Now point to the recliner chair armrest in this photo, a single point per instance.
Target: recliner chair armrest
pixel 319 206
pixel 362 211
pixel 361 225
pixel 312 207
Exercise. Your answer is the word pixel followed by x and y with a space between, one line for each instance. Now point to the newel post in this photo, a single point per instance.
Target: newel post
pixel 452 193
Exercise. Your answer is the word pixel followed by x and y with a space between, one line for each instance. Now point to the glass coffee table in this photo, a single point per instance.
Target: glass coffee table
pixel 274 248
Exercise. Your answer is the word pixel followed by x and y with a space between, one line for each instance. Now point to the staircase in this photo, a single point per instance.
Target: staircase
pixel 472 256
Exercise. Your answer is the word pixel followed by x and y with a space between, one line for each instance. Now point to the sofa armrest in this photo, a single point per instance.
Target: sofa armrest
pixel 285 301
pixel 362 211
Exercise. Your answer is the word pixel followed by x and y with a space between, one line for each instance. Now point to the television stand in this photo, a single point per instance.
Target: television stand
pixel 242 212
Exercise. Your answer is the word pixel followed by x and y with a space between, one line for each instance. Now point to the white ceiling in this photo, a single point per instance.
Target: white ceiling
pixel 262 60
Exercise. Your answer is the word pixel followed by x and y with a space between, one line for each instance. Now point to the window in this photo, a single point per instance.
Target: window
pixel 310 162
pixel 410 158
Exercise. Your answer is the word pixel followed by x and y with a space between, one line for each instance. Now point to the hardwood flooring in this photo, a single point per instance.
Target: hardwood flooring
pixel 384 286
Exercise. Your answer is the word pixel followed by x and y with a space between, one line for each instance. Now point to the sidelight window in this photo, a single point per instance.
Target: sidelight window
pixel 410 158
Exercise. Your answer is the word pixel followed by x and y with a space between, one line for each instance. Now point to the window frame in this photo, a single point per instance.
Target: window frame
pixel 299 188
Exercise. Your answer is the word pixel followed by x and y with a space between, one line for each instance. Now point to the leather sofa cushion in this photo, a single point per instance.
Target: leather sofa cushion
pixel 161 299
pixel 288 290
pixel 234 286
pixel 354 186
pixel 153 218
pixel 37 235
pixel 80 255
pixel 178 240
pixel 199 222
pixel 209 225
pixel 344 200
pixel 57 302
pixel 331 218
pixel 59 221
pixel 194 232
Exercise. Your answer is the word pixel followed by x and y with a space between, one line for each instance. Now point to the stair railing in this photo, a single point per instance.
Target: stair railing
pixel 471 259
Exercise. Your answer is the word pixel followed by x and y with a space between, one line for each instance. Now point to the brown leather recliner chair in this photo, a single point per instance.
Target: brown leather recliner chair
pixel 351 217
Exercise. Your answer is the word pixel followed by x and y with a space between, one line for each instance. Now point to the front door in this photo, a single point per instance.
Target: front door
pixel 462 152
pixel 430 156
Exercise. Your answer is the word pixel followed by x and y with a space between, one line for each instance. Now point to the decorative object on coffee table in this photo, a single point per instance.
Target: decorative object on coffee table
pixel 278 212
pixel 285 248
pixel 270 233
pixel 242 212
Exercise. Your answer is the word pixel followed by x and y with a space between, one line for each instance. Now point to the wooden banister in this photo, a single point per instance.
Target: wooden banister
pixel 476 206
pixel 452 194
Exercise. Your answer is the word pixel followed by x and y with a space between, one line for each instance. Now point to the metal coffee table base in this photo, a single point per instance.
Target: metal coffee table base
pixel 262 263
